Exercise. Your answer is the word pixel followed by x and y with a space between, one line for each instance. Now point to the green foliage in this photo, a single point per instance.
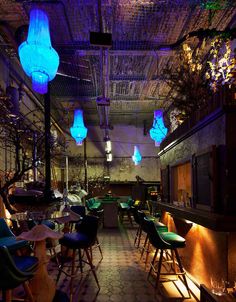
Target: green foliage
pixel 189 88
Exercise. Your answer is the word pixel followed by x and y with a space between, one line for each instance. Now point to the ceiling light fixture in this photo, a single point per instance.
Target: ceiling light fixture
pixel 137 157
pixel 158 131
pixel 38 59
pixel 78 131
pixel 108 146
pixel 109 156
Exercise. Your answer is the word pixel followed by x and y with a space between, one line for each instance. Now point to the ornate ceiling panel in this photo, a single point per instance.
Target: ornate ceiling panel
pixel 134 67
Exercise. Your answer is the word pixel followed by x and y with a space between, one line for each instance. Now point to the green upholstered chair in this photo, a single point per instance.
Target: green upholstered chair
pixel 8 239
pixel 16 270
pixel 125 208
pixel 163 241
pixel 93 205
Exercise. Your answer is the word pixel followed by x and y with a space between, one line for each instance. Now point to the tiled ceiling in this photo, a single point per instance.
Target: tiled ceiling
pixel 141 31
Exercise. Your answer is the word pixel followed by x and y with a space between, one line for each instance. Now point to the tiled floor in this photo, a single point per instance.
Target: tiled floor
pixel 121 274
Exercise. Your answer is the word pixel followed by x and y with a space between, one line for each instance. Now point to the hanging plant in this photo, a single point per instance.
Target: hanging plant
pixel 222 64
pixel 189 88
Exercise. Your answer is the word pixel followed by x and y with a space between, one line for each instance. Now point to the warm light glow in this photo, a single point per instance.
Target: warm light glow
pixel 109 157
pixel 158 130
pixel 222 66
pixel 137 157
pixel 8 216
pixel 108 146
pixel 78 131
pixel 38 59
pixel 190 222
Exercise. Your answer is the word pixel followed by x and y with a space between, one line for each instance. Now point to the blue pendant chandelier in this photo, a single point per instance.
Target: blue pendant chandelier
pixel 38 59
pixel 78 131
pixel 137 157
pixel 158 131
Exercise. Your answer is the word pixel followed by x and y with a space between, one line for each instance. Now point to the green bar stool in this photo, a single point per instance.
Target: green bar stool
pixel 160 227
pixel 164 241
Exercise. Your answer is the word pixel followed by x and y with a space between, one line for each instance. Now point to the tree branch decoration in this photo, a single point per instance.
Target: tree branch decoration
pixel 189 88
pixel 222 66
pixel 18 139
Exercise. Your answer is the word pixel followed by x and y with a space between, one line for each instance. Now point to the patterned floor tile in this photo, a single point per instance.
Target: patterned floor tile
pixel 121 273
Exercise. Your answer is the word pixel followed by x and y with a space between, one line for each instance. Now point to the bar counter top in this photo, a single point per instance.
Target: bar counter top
pixel 213 221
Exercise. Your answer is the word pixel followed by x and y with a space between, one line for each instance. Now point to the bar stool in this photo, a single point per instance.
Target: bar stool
pixel 166 241
pixel 138 217
pixel 125 208
pixel 77 241
pixel 80 210
pixel 160 227
pixel 80 227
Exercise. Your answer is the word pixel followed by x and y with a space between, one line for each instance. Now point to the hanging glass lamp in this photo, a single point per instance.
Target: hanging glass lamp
pixel 137 157
pixel 38 59
pixel 158 131
pixel 78 131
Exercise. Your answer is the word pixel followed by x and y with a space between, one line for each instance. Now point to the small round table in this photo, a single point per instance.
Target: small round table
pixel 42 285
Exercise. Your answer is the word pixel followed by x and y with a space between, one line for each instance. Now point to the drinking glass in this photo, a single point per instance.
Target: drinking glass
pixel 217 286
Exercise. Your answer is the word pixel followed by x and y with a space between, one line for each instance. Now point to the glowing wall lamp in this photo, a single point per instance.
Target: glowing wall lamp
pixel 78 131
pixel 158 130
pixel 38 59
pixel 137 157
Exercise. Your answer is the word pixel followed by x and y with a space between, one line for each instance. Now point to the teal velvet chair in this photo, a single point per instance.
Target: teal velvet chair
pixel 8 239
pixel 16 270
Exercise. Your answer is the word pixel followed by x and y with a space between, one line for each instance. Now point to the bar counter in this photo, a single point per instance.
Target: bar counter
pixel 210 242
pixel 213 221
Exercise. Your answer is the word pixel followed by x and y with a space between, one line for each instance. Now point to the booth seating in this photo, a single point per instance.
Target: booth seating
pixel 16 270
pixel 8 239
pixel 164 241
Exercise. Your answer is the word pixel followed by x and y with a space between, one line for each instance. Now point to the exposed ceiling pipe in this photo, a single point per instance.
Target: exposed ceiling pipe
pixel 103 111
pixel 7 35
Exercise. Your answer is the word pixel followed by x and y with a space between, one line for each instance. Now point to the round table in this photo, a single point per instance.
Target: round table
pixel 42 285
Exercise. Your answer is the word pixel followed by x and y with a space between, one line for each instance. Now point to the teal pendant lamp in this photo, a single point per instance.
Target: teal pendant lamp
pixel 137 157
pixel 158 131
pixel 38 59
pixel 78 131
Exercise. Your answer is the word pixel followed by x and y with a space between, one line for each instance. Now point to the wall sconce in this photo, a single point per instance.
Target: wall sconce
pixel 38 59
pixel 158 130
pixel 78 131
